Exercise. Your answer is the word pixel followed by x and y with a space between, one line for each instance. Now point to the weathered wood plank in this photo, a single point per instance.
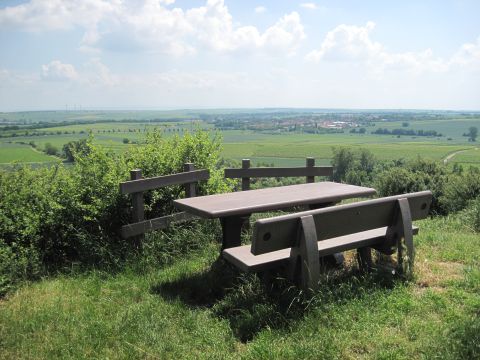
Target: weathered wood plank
pixel 135 186
pixel 232 173
pixel 276 198
pixel 154 224
pixel 336 221
pixel 243 258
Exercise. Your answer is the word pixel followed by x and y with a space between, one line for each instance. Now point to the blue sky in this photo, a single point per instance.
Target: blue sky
pixel 164 54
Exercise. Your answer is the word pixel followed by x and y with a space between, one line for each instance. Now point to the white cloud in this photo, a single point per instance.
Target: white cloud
pixel 57 71
pixel 4 74
pixel 260 9
pixel 152 26
pixel 96 73
pixel 349 43
pixel 468 55
pixel 309 5
pixel 41 15
pixel 215 29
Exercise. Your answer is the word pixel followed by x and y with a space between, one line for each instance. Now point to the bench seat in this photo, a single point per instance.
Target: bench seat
pixel 242 257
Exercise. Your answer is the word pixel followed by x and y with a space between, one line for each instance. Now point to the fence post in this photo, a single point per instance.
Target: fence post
pixel 245 180
pixel 310 163
pixel 138 207
pixel 189 187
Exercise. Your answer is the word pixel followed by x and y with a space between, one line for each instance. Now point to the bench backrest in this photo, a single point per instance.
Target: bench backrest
pixel 247 172
pixel 137 185
pixel 281 232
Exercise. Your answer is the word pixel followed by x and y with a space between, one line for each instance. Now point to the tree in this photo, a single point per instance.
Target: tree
pixel 75 148
pixel 472 133
pixel 51 149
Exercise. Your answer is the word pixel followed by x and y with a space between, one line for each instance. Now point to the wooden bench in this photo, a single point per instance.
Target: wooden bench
pixel 299 239
pixel 137 186
pixel 247 172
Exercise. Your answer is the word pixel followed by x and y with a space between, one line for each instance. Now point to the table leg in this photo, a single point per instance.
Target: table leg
pixel 232 230
pixel 336 258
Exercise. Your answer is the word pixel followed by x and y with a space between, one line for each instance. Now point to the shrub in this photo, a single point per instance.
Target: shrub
pixel 471 215
pixel 353 167
pixel 51 149
pixel 52 216
pixel 416 175
pixel 75 148
pixel 461 188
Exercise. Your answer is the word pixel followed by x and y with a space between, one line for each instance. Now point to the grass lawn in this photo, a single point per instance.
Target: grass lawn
pixel 198 307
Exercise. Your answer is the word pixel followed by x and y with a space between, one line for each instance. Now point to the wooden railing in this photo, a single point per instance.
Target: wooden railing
pixel 137 185
pixel 246 172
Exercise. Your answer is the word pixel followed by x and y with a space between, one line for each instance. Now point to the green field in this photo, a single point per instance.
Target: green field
pixel 22 153
pixel 298 146
pixel 279 148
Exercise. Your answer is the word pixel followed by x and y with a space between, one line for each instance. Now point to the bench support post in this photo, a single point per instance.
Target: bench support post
pixel 304 262
pixel 364 257
pixel 404 226
pixel 399 238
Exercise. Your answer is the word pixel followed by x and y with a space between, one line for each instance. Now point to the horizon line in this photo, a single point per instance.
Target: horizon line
pixel 139 109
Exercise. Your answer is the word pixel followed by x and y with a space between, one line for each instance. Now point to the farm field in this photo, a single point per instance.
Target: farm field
pixel 283 146
pixel 10 153
pixel 272 147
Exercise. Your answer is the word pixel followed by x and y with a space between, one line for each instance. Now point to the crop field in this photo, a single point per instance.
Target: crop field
pixel 468 157
pixel 22 153
pixel 320 147
pixel 450 128
pixel 93 115
pixel 272 147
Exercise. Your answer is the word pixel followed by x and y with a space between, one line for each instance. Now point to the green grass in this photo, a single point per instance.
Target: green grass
pixel 22 153
pixel 197 307
pixel 471 156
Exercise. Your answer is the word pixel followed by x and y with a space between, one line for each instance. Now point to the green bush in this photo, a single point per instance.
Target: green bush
pixel 460 188
pixel 416 175
pixel 53 216
pixel 51 149
pixel 471 215
pixel 353 167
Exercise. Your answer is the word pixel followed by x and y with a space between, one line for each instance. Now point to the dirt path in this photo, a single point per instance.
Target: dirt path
pixel 450 156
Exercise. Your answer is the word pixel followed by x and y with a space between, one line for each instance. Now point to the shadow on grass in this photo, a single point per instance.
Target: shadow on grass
pixel 251 303
pixel 202 289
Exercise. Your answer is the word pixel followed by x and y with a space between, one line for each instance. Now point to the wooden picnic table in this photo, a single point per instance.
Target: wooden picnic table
pixel 231 208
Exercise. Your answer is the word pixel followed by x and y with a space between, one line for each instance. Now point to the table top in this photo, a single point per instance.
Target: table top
pixel 275 198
